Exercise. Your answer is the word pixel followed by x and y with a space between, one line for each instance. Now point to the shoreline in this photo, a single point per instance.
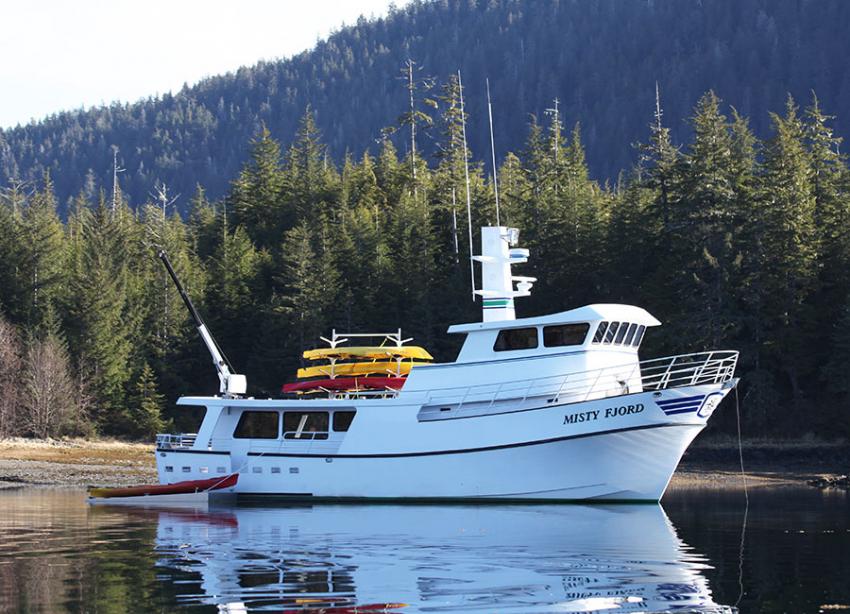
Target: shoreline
pixel 108 463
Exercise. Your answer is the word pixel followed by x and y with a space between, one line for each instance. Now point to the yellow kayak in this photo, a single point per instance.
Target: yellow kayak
pixel 374 352
pixel 357 368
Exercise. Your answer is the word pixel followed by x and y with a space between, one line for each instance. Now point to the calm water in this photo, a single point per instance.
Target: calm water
pixel 58 554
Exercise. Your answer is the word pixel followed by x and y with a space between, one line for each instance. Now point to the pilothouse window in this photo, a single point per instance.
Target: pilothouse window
pixel 305 425
pixel 621 333
pixel 516 339
pixel 257 425
pixel 600 332
pixel 630 335
pixel 343 420
pixel 639 336
pixel 564 334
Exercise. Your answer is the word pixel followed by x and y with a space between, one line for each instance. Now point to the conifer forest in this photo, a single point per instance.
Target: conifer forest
pixel 735 238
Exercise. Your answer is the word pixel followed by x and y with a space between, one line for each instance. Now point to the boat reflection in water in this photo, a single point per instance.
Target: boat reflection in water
pixel 436 558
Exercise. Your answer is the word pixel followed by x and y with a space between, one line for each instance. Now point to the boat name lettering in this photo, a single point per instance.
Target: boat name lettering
pixel 623 410
pixel 582 416
pixel 608 412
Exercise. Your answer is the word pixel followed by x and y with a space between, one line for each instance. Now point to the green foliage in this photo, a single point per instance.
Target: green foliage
pixel 144 411
pixel 602 60
pixel 732 242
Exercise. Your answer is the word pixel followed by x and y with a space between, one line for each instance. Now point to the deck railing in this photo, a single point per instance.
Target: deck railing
pixel 655 374
pixel 167 441
pixel 648 375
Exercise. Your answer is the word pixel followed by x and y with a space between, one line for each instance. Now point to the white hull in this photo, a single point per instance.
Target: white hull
pixel 631 465
pixel 533 454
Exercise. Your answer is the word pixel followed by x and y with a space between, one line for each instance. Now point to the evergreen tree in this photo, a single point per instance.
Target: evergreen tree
pixel 311 179
pixel 40 252
pixel 97 308
pixel 703 227
pixel 256 198
pixel 786 251
pixel 144 409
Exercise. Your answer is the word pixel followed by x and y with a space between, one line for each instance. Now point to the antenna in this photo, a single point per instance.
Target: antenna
pixel 468 198
pixel 493 152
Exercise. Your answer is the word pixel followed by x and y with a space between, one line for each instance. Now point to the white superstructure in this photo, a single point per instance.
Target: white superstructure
pixel 557 407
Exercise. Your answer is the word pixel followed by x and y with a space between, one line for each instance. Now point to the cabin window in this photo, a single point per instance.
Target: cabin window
pixel 342 420
pixel 611 332
pixel 631 334
pixel 621 333
pixel 305 425
pixel 564 334
pixel 516 339
pixel 639 335
pixel 600 332
pixel 257 425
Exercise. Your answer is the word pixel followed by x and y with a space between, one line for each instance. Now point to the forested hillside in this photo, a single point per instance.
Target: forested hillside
pixel 599 58
pixel 732 241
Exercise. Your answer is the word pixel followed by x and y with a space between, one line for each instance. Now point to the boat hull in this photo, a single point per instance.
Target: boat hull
pixel 629 465
pixel 613 449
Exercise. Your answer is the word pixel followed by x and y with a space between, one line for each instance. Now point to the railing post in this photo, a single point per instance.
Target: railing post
pixel 698 371
pixel 495 394
pixel 463 399
pixel 561 388
pixel 662 384
pixel 593 386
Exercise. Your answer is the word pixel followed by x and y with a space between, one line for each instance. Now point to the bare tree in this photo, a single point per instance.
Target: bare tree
pixel 50 404
pixel 10 368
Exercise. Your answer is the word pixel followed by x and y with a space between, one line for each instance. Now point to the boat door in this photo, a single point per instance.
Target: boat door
pixel 256 430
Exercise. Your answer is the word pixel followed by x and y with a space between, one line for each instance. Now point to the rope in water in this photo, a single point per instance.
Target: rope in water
pixel 746 502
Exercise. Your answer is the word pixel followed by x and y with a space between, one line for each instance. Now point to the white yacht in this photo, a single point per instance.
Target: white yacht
pixel 557 407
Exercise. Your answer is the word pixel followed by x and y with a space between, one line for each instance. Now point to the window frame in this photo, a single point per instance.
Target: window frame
pixel 507 331
pixel 611 333
pixel 333 425
pixel 599 335
pixel 586 326
pixel 304 435
pixel 249 412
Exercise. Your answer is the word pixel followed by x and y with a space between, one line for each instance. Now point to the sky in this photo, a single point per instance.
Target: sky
pixel 59 55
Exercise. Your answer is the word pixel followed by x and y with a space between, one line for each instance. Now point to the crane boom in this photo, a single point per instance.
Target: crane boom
pixel 231 384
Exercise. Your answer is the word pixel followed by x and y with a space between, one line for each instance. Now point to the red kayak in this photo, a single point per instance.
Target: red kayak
pixel 346 383
pixel 178 488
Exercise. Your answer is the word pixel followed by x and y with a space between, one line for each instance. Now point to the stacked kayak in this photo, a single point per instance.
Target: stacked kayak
pixel 357 368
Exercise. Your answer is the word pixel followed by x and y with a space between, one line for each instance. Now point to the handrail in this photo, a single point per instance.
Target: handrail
pixel 654 374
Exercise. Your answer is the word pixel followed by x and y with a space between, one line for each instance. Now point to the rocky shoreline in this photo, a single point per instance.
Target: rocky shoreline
pixel 80 463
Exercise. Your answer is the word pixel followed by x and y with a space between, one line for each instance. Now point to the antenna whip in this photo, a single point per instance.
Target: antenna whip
pixel 493 152
pixel 466 174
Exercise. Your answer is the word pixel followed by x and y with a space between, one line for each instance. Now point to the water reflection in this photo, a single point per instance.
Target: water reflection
pixel 430 558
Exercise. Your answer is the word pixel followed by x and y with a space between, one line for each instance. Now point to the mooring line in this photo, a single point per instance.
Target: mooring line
pixel 746 503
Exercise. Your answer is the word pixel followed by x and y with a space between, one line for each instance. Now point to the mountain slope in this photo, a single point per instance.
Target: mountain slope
pixel 600 58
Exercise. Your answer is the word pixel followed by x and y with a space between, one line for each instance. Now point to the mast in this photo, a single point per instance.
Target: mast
pixel 493 153
pixel 232 384
pixel 468 197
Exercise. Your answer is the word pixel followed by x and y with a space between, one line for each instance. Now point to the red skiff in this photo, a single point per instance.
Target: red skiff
pixel 178 488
